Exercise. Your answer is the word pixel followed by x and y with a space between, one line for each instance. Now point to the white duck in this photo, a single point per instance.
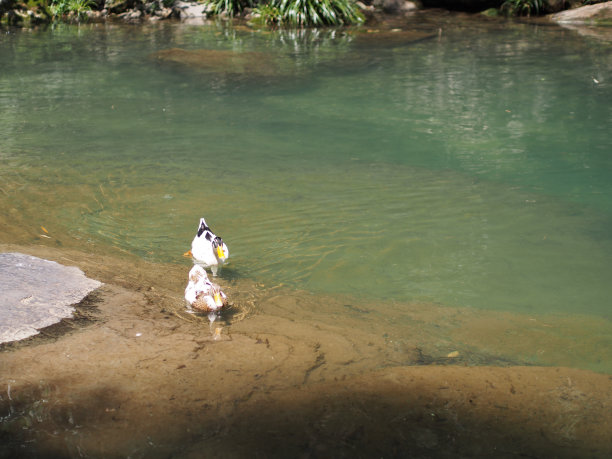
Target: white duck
pixel 202 295
pixel 208 249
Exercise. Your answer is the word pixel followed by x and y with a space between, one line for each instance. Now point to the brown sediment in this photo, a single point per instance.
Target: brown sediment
pixel 222 62
pixel 291 374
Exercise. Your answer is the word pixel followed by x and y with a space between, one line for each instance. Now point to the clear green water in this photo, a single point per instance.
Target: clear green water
pixel 472 168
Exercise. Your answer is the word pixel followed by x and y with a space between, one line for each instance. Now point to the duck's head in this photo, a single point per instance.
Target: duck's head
pixel 203 227
pixel 219 248
pixel 218 299
pixel 218 296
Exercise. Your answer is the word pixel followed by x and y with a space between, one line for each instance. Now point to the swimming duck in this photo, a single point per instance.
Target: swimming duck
pixel 208 249
pixel 202 295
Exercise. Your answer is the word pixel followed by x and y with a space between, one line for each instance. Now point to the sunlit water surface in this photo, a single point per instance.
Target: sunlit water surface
pixel 469 165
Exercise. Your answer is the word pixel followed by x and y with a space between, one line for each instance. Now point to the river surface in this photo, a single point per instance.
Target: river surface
pixel 466 164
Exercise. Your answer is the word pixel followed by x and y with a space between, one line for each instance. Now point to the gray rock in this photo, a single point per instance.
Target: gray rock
pixel 390 6
pixel 37 293
pixel 131 15
pixel 600 13
pixel 188 10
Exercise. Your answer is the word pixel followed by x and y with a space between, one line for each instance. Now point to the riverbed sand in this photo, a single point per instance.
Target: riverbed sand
pixel 278 376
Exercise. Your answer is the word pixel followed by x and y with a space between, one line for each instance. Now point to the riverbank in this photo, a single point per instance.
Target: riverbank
pixel 375 11
pixel 136 375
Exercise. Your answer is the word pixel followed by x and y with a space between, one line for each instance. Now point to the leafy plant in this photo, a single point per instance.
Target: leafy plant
pixel 268 14
pixel 522 7
pixel 229 7
pixel 310 12
pixel 70 9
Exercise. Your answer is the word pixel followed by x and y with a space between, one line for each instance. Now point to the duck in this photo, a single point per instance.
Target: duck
pixel 208 249
pixel 202 295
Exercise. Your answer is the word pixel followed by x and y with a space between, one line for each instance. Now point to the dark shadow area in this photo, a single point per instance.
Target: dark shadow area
pixel 395 413
pixel 42 420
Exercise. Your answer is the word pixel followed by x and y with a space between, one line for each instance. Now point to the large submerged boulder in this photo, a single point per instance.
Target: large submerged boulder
pixel 36 293
pixel 220 62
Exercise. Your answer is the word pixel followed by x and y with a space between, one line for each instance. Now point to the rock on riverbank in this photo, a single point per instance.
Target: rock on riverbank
pixel 37 293
pixel 586 21
pixel 598 14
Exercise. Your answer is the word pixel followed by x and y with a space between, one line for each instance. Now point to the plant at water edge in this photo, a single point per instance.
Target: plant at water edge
pixel 229 7
pixel 303 13
pixel 522 7
pixel 70 9
pixel 267 14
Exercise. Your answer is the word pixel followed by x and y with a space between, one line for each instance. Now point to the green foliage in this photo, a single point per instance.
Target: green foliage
pixel 522 7
pixel 70 9
pixel 268 14
pixel 229 7
pixel 310 12
pixel 319 12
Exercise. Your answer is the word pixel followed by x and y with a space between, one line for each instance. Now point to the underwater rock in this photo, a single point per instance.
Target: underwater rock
pixel 219 62
pixel 389 38
pixel 37 293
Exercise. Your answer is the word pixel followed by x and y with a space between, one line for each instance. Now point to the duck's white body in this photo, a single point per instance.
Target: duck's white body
pixel 208 249
pixel 201 294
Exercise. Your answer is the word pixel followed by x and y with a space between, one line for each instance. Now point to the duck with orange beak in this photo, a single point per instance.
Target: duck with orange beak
pixel 207 249
pixel 202 295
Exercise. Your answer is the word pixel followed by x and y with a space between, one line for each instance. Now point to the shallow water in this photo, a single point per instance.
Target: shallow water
pixel 462 164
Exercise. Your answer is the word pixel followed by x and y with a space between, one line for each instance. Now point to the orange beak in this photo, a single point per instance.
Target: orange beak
pixel 217 298
pixel 188 254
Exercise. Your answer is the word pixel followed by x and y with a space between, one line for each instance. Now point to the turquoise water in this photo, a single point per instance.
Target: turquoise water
pixel 470 167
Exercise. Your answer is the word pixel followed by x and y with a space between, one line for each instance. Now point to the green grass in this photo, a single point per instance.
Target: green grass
pixel 70 9
pixel 303 13
pixel 230 7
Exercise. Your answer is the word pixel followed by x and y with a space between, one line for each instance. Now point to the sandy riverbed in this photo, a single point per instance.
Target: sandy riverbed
pixel 133 375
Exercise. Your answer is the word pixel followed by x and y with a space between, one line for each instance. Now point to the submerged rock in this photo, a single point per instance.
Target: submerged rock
pixel 221 62
pixel 37 293
pixel 390 38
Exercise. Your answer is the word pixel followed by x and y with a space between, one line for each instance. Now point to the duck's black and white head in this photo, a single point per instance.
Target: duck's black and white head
pixel 219 248
pixel 207 248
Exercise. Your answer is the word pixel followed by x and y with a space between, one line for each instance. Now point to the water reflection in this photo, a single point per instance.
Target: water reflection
pixel 444 165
